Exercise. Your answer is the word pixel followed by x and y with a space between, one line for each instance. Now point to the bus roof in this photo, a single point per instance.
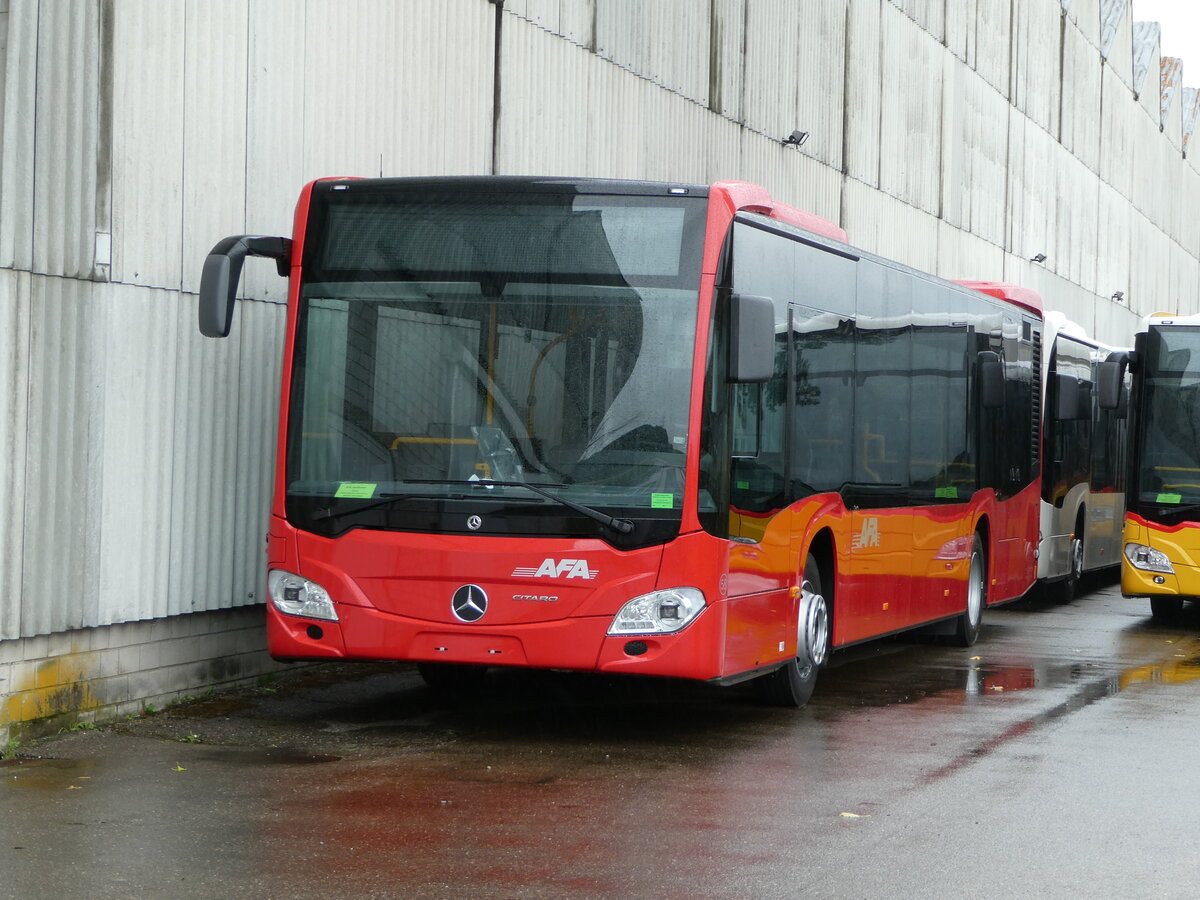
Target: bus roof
pixel 742 195
pixel 1012 293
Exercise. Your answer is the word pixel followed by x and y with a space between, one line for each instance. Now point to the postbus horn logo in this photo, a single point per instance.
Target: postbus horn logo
pixel 469 603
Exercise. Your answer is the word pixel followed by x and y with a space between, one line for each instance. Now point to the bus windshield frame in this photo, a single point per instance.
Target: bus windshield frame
pixel 455 338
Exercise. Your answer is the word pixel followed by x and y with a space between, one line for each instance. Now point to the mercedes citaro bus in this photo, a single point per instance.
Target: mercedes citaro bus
pixel 658 429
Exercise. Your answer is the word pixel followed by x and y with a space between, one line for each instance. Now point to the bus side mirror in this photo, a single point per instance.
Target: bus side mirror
pixel 1073 398
pixel 1112 378
pixel 991 379
pixel 222 270
pixel 751 339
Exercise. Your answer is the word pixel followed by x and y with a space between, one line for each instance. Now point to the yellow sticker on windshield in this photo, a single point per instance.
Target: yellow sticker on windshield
pixel 1170 498
pixel 355 490
pixel 662 501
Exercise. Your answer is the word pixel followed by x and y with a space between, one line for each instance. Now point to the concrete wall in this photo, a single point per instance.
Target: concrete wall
pixel 959 136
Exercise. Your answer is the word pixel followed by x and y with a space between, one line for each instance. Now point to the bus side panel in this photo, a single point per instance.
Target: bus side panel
pixel 1012 567
pixel 941 560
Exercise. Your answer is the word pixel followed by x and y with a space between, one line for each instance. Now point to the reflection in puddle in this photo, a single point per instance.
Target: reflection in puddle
pixel 1178 671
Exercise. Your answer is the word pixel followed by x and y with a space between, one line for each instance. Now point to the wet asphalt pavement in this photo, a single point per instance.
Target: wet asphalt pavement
pixel 1053 759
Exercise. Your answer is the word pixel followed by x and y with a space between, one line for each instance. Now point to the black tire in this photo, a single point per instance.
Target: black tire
pixel 1064 591
pixel 967 626
pixel 1166 608
pixel 792 685
pixel 451 678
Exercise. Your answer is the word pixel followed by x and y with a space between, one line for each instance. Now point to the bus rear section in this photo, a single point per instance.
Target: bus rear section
pixel 670 430
pixel 1161 552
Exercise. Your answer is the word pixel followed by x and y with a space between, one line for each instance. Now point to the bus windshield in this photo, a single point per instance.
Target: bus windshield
pixel 448 338
pixel 1169 471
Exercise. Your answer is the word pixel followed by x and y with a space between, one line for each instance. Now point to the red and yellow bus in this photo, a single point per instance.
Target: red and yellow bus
pixel 626 427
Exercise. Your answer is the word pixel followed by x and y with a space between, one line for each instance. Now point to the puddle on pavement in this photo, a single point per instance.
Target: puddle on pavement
pixel 266 756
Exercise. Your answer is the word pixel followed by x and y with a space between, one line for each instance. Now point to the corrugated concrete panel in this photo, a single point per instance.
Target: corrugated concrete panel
pixel 795 72
pixel 1079 130
pixel 259 365
pixel 993 43
pixel 275 136
pixel 1031 185
pixel 362 115
pixel 571 112
pixel 928 14
pixel 772 67
pixel 1188 113
pixel 17 135
pixel 62 490
pixel 960 29
pixel 1154 161
pixel 14 426
pixel 1149 277
pixel 573 19
pixel 546 125
pixel 974 158
pixel 68 80
pixel 1036 62
pixel 668 43
pixel 962 255
pixel 1184 285
pixel 888 226
pixel 1171 100
pixel 1084 15
pixel 727 69
pixel 1113 323
pixel 214 128
pixel 910 112
pixel 148 153
pixel 863 91
pixel 134 429
pixel 1117 117
pixel 1075 218
pixel 1113 245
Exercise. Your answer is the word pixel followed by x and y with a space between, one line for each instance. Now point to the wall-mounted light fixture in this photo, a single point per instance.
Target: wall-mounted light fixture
pixel 1038 257
pixel 796 137
pixel 1119 296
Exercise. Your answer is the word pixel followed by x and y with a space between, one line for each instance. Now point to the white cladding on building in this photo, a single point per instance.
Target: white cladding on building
pixel 963 137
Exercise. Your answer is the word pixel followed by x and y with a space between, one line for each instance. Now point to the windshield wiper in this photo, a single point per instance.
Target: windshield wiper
pixel 623 526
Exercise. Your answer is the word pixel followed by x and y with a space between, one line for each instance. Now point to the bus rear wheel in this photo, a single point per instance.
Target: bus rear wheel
pixel 966 629
pixel 792 685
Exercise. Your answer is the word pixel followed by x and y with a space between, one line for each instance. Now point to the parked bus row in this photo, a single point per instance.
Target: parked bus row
pixel 669 430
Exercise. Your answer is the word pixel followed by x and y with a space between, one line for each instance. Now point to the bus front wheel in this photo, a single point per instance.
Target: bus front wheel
pixel 1166 608
pixel 792 685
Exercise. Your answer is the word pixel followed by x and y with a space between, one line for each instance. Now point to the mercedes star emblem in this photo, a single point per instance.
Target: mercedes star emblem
pixel 474 523
pixel 469 603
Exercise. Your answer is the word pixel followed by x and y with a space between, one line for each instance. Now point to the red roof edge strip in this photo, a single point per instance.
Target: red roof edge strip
pixel 743 195
pixel 1013 293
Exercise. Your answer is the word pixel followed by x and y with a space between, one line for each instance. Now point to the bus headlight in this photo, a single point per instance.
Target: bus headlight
pixel 659 612
pixel 297 596
pixel 1148 559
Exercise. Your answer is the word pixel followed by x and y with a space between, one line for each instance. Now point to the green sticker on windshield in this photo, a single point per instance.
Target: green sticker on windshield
pixel 946 493
pixel 355 490
pixel 662 501
pixel 1170 498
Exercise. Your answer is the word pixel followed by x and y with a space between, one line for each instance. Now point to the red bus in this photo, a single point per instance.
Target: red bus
pixel 626 427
